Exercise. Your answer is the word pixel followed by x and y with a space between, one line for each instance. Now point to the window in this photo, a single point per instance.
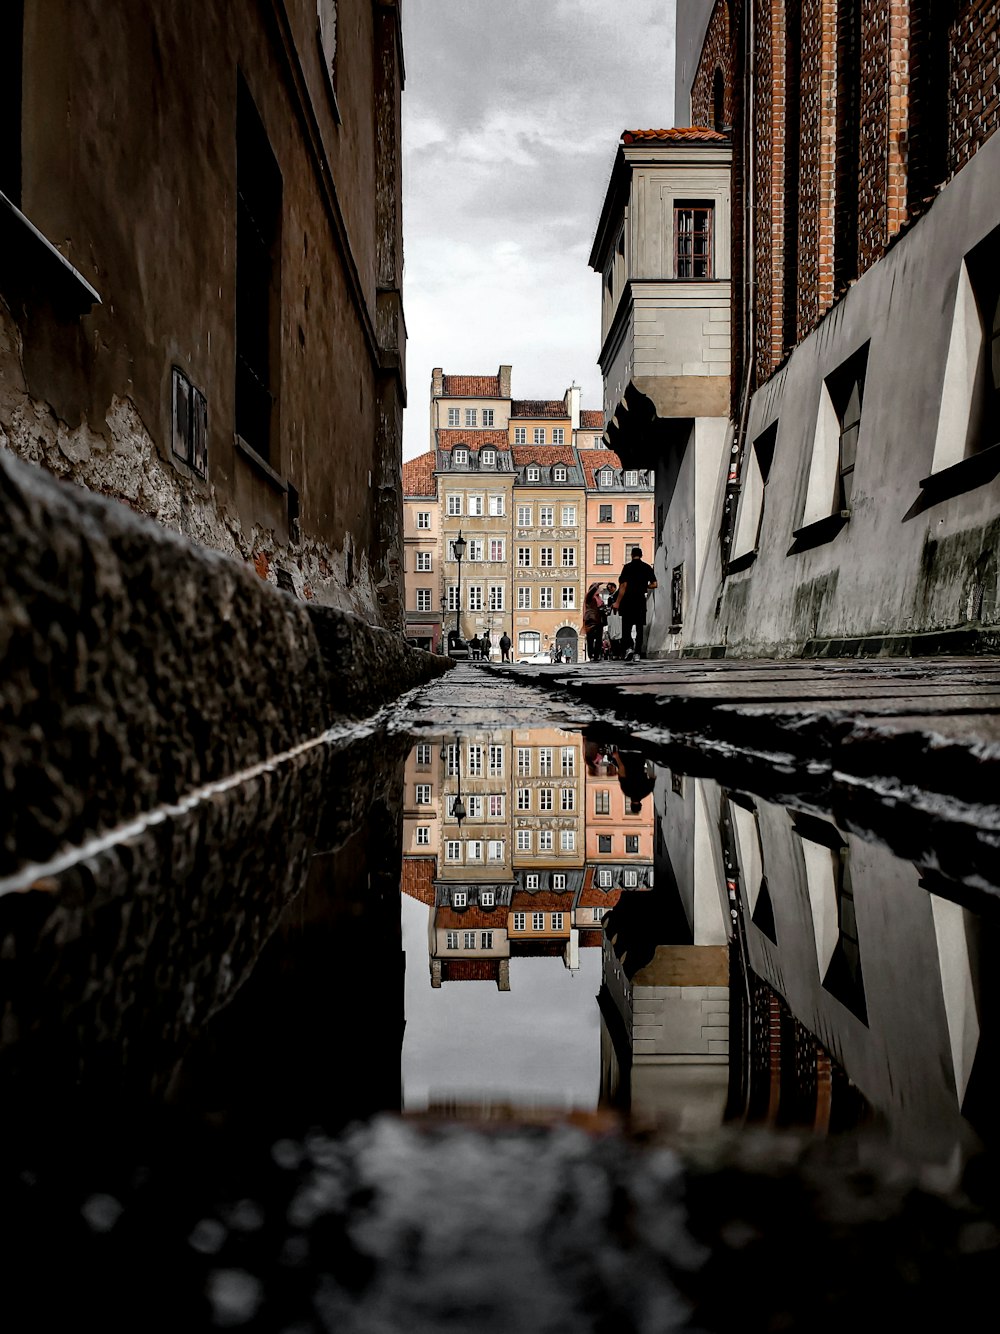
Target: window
pixel 258 260
pixel 559 880
pixel 604 878
pixel 531 881
pixel 567 799
pixel 454 419
pixel 606 477
pixel 568 598
pixel 569 556
pixel 452 850
pixel 496 548
pixel 488 459
pixel 568 760
pixel 453 597
pixel 460 898
pixel 557 435
pixel 474 850
pixel 631 879
pixel 569 516
pixel 835 443
pixel 545 840
pixel 529 642
pixel 631 479
pixel 602 802
pixel 423 755
pixel 524 840
pixel 423 562
pixel 693 226
pixel 496 507
pixel 423 794
pixel 495 849
pixel 460 458
pixel 519 921
pixel 546 516
pixel 486 940
pixel 520 435
pixel 545 599
pixel 524 754
pixel 496 761
pixel 487 416
pixel 423 599
pixel 544 798
pixel 849 412
pixel 423 835
pixel 557 921
pixel 533 474
pixel 598 442
pixel 470 416
pixel 604 844
pixel 545 761
pixel 524 599
pixel 452 762
pixel 476 549
pixel 475 761
pixel 487 898
pixel 524 556
pixel 497 593
pixel 423 518
pixel 451 940
pixel 524 516
pixel 475 597
pixel 495 806
pixel 567 840
pixel 538 435
pixel 632 845
pixel 559 474
pixel 538 921
pixel 604 513
pixel 546 555
pixel 631 513
pixel 475 506
pixel 602 553
pixel 454 507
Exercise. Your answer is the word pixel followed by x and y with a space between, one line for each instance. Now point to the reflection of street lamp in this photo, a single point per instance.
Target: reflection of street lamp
pixel 458 805
pixel 458 547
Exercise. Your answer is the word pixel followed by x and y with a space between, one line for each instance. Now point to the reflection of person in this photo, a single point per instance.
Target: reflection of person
pixel 505 647
pixel 633 778
pixel 594 619
pixel 635 580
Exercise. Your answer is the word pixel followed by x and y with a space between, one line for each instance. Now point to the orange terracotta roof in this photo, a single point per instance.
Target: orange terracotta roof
pixel 592 897
pixel 454 919
pixel 448 438
pixel 526 900
pixel 418 475
pixel 591 419
pixel 593 460
pixel 470 970
pixel 418 878
pixel 591 937
pixel 471 386
pixel 677 134
pixel 538 407
pixel 544 455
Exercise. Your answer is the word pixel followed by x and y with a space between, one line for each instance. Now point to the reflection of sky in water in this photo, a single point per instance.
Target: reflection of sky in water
pixel 536 1045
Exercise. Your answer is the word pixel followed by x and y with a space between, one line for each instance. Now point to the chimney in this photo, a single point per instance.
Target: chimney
pixel 437 382
pixel 503 380
pixel 572 401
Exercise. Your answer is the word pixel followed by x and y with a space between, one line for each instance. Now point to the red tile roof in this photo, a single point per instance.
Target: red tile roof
pixel 470 970
pixel 591 419
pixel 593 460
pixel 592 897
pixel 418 476
pixel 471 386
pixel 454 919
pixel 418 878
pixel 678 134
pixel 448 438
pixel 526 900
pixel 591 937
pixel 544 455
pixel 538 407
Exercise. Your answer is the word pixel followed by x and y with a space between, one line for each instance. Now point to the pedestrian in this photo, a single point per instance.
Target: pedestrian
pixel 505 647
pixel 634 582
pixel 595 617
pixel 635 777
pixel 476 648
pixel 487 645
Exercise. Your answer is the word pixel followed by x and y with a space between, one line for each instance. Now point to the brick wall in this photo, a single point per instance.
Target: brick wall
pixel 974 81
pixel 817 102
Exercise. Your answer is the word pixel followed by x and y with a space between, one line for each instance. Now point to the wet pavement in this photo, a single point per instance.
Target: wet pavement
pixel 497 1013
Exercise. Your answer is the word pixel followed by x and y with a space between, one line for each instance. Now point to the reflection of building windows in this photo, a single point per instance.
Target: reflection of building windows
pixel 469 940
pixel 559 474
pixel 524 760
pixel 524 557
pixel 569 516
pixel 452 851
pixel 538 921
pixel 487 898
pixel 604 844
pixel 475 761
pixel 423 755
pixel 605 513
pixel 631 513
pixel 693 227
pixel 423 518
pixel 497 597
pixel 567 799
pixel 538 435
pixel 460 898
pixel 632 845
pixel 545 556
pixel 487 416
pixel 454 508
pixel 496 806
pixel 557 921
pixel 602 553
pixel 524 840
pixel 545 761
pixel 423 562
pixel 546 516
pixel 559 880
pixel 523 798
pixel 423 599
pixel 567 760
pixel 569 556
pixel 529 642
pixel 452 760
pixel 545 840
pixel 544 798
pixel 460 458
pixel 604 878
pixel 486 940
pixel 454 418
pixel 496 508
pixel 831 899
pixel 602 802
pixel 545 599
pixel 519 921
pixel 524 516
pixel 474 850
pixel 524 598
pixel 568 597
pixel 470 416
pixel 423 835
pixel 567 840
pixel 631 879
pixel 495 850
pixel 496 761
pixel 558 437
pixel 451 940
pixel 423 794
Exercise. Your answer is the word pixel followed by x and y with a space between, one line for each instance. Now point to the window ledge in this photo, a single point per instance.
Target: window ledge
pixel 815 534
pixel 965 475
pixel 28 252
pixel 261 465
pixel 741 562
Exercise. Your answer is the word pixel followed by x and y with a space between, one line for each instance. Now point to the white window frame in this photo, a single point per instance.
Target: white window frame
pixel 602 553
pixel 495 805
pixel 559 473
pixel 497 760
pixel 453 850
pixel 460 457
pixel 423 754
pixel 559 880
pixel 498 549
pixel 545 761
pixel 423 835
pixel 475 551
pixel 604 878
pixel 606 477
pixel 496 507
pixel 454 507
pixel 474 850
pixel 567 799
pixel 524 840
pixel 460 898
pixel 454 417
pixel 545 602
pixel 568 597
pixel 487 416
pixel 569 557
pixel 452 594
pixel 524 753
pixel 524 516
pixel 423 518
pixel 524 557
pixel 422 794
pixel 534 474
pixel 474 506
pixel 524 598
pixel 545 799
pixel 631 478
pixel 545 840
pixel 538 921
pixel 495 850
pixel 423 562
pixel 497 597
pixel 531 880
pixel 546 516
pixel 524 798
pixel 474 761
pixel 475 597
pixel 602 801
pixel 567 840
pixel 569 516
pixel 546 557
pixel 557 921
pixel 567 761
pixel 519 919
pixel 538 435
pixel 487 898
pixel 558 435
pixel 520 435
pixel 486 940
pixel 631 880
pixel 529 642
pixel 470 416
pixel 451 940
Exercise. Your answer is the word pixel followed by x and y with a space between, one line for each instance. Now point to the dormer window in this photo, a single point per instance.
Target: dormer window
pixel 459 898
pixel 488 458
pixel 460 457
pixel 533 474
pixel 606 477
pixel 487 898
pixel 631 479
pixel 559 474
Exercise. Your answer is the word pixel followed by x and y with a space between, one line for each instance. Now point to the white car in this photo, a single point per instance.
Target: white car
pixel 537 657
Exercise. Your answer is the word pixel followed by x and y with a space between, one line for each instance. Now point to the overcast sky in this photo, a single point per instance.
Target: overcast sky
pixel 511 115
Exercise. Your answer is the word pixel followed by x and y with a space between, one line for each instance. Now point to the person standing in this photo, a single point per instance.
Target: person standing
pixel 505 647
pixel 487 645
pixel 594 620
pixel 475 648
pixel 634 582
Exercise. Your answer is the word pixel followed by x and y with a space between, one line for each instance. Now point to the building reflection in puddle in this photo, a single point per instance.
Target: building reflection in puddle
pixel 752 963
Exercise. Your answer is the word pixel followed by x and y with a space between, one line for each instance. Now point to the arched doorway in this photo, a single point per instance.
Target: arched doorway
pixel 567 641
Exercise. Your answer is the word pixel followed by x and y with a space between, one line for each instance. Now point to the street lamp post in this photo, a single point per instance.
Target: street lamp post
pixel 458 547
pixel 458 805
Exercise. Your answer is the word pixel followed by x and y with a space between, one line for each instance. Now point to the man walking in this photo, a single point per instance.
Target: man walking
pixel 635 580
pixel 505 647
